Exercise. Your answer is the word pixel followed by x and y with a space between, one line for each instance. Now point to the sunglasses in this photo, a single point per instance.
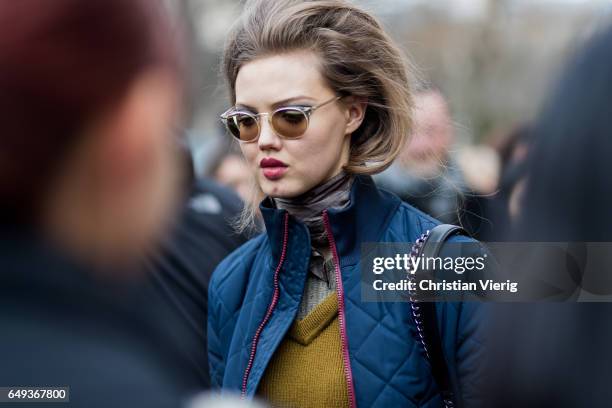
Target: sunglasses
pixel 288 122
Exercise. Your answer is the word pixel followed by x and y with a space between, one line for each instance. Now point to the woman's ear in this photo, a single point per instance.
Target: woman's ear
pixel 355 113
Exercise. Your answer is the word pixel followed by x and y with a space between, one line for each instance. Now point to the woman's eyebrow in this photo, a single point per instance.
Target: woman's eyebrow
pixel 275 105
pixel 245 107
pixel 289 100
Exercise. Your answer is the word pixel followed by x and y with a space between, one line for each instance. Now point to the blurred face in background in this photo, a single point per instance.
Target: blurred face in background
pixel 432 136
pixel 289 167
pixel 234 172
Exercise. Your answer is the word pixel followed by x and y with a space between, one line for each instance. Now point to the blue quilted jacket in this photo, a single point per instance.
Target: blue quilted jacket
pixel 255 292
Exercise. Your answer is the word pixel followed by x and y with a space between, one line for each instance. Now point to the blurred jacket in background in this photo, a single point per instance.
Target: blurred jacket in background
pixel 181 270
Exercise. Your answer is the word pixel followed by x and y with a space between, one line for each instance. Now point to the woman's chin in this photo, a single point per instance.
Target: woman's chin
pixel 280 188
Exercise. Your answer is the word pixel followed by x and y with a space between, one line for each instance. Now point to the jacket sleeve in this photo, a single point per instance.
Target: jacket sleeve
pixel 225 296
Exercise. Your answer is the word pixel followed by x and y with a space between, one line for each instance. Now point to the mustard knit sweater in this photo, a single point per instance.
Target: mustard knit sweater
pixel 307 368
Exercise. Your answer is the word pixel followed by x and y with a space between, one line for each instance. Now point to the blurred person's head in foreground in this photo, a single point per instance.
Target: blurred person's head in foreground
pixel 426 153
pixel 568 195
pixel 89 99
pixel 308 100
pixel 558 354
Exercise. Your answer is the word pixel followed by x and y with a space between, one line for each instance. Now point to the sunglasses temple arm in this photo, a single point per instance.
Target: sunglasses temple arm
pixel 325 103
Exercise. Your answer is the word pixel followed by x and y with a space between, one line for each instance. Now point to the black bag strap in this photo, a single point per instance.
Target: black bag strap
pixel 427 322
pixel 437 236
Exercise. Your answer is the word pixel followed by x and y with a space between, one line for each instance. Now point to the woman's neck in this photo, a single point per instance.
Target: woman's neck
pixel 309 207
pixel 334 192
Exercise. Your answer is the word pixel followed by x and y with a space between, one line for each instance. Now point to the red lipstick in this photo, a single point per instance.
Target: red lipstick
pixel 273 169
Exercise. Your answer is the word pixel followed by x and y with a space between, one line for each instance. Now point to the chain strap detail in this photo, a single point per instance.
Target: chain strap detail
pixel 414 303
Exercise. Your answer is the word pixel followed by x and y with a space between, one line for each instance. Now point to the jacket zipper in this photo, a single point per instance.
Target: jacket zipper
pixel 273 303
pixel 341 314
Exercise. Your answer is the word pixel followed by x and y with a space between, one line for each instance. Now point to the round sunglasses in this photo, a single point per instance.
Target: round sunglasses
pixel 288 122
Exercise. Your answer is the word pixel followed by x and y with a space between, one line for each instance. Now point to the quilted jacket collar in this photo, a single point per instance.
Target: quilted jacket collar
pixel 364 220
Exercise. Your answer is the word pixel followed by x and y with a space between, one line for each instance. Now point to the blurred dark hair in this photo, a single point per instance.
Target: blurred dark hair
pixel 569 191
pixel 507 145
pixel 513 169
pixel 62 63
pixel 557 354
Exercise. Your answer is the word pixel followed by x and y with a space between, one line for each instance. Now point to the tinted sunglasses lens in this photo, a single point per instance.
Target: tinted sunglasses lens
pixel 290 123
pixel 242 126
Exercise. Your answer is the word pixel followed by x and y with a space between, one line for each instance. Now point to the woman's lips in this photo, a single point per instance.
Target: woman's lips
pixel 274 173
pixel 273 169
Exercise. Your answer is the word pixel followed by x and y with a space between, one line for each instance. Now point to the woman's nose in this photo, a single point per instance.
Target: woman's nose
pixel 268 139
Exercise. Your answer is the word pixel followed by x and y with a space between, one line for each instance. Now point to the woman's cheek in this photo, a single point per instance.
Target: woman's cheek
pixel 249 155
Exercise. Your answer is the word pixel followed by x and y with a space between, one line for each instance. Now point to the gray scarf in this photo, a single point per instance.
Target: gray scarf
pixel 308 208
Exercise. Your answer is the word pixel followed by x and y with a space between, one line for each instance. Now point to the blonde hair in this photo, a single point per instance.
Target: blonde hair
pixel 357 58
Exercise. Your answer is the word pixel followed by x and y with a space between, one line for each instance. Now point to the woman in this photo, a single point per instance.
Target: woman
pixel 89 96
pixel 320 102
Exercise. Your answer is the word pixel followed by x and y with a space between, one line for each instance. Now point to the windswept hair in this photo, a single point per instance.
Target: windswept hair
pixel 357 58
